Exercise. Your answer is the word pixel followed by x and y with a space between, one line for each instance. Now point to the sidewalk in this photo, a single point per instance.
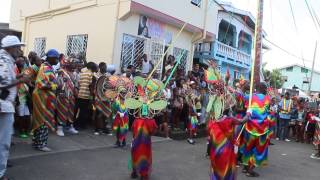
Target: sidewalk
pixel 85 140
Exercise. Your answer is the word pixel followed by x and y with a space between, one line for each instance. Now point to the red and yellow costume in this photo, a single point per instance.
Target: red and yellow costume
pixel 222 152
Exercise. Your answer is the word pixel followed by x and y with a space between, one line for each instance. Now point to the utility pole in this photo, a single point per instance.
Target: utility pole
pixel 258 43
pixel 313 62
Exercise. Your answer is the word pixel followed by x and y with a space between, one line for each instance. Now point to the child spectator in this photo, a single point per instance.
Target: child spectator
pixel 299 115
pixel 23 111
pixel 310 126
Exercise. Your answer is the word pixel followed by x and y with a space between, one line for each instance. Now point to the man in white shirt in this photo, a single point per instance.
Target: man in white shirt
pixel 11 50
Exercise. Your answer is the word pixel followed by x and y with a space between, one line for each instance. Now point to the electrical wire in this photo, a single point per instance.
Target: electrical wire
pixel 316 16
pixel 286 51
pixel 311 14
pixel 272 43
pixel 297 32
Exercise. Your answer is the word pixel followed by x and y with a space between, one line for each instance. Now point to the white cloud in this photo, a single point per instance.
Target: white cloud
pixel 5 6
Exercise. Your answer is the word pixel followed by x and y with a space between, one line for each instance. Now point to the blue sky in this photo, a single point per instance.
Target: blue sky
pixel 279 25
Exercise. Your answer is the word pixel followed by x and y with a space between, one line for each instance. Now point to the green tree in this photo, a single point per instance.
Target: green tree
pixel 273 78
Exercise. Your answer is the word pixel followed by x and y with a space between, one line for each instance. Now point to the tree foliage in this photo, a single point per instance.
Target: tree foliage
pixel 273 78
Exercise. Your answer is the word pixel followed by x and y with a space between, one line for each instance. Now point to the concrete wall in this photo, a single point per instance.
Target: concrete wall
pixel 96 20
pixel 186 12
pixel 296 78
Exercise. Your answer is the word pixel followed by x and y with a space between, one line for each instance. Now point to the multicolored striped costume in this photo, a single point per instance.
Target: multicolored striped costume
pixel 142 129
pixel 66 98
pixel 120 124
pixel 256 132
pixel 272 123
pixel 242 104
pixel 222 153
pixel 193 120
pixel 44 98
pixel 100 104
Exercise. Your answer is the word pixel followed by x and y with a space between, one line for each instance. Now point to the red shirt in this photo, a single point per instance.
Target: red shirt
pixel 309 118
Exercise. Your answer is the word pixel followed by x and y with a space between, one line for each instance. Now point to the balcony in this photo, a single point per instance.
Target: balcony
pixel 224 53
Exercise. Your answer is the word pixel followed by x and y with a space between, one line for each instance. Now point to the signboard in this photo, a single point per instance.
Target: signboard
pixel 151 28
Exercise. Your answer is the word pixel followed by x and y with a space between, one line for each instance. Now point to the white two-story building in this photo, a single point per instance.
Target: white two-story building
pixel 116 31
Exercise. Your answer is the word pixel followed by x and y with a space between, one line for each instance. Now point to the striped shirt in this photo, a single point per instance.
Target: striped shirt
pixel 84 84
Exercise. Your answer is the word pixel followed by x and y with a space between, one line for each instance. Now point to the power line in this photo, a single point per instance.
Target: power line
pixel 286 51
pixel 316 16
pixel 271 15
pixel 272 43
pixel 311 14
pixel 297 32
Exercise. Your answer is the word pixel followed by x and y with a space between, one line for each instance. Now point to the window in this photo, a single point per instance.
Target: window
pixel 177 53
pixel 196 2
pixel 304 70
pixel 40 46
pixel 132 49
pixel 306 80
pixel 77 46
pixel 289 69
pixel 284 78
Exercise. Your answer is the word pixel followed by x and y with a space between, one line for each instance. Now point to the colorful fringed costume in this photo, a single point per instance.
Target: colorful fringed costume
pixel 142 130
pixel 256 137
pixel 120 124
pixel 66 97
pixel 222 153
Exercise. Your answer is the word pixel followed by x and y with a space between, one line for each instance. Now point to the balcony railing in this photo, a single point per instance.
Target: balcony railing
pixel 232 54
pixel 224 51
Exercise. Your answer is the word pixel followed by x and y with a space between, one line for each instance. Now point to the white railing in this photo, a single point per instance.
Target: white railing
pixel 233 53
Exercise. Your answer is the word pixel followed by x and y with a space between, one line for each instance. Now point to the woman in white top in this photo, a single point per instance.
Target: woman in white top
pixel 146 65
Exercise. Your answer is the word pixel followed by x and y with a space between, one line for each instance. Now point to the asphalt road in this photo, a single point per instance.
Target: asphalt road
pixel 89 157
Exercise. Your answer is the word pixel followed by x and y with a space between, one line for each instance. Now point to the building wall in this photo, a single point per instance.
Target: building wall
pixel 56 19
pixel 296 78
pixel 96 20
pixel 236 21
pixel 239 25
pixel 186 12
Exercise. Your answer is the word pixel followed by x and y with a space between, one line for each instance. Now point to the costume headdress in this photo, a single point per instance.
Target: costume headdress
pixel 221 96
pixel 146 97
pixel 109 88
